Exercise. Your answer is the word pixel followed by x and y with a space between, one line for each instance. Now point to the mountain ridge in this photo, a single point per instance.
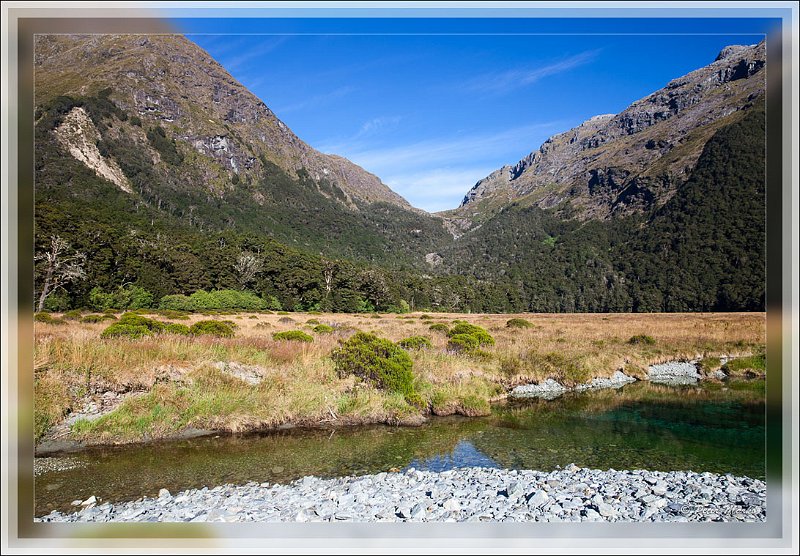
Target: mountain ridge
pixel 642 152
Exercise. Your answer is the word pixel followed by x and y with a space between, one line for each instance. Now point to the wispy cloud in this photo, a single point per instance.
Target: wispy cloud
pixel 376 125
pixel 437 189
pixel 235 62
pixel 444 168
pixel 442 150
pixel 316 100
pixel 503 82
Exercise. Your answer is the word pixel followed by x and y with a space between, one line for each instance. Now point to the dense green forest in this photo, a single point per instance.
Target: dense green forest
pixel 300 249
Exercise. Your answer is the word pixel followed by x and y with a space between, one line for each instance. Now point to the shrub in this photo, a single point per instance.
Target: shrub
pixel 379 362
pixel 211 328
pixel 75 314
pixel 462 343
pixel 173 315
pixel 414 342
pixel 57 302
pixel 138 320
pixel 519 323
pixel 286 320
pixel 293 336
pixel 480 334
pixel 312 321
pixel 119 329
pixel 642 339
pixel 323 329
pixel 439 327
pixel 97 318
pixel 47 317
pixel 130 297
pixel 283 312
pixel 217 300
pixel 176 328
pixel 425 317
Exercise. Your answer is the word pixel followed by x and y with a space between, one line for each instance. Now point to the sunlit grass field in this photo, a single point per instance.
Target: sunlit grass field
pixel 173 382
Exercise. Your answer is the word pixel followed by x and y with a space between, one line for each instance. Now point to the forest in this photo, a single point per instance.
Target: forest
pixel 703 250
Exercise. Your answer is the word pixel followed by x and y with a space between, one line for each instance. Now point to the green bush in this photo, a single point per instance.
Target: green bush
pixel 312 321
pixel 57 302
pixel 323 329
pixel 130 297
pixel 439 327
pixel 217 300
pixel 642 339
pixel 97 318
pixel 283 312
pixel 119 329
pixel 379 362
pixel 176 328
pixel 211 328
pixel 519 323
pixel 463 343
pixel 47 317
pixel 425 317
pixel 414 342
pixel 293 336
pixel 134 319
pixel 75 314
pixel 480 334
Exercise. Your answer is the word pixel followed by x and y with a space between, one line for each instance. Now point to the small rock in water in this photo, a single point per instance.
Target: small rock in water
pixel 164 493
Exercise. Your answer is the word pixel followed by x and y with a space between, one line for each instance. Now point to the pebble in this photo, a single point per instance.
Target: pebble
pixel 475 494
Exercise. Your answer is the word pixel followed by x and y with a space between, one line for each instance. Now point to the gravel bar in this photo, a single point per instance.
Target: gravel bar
pixel 570 494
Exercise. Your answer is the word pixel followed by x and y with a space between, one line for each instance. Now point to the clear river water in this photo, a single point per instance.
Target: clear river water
pixel 708 427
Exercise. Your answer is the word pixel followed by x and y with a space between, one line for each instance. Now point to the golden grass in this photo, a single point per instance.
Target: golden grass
pixel 300 385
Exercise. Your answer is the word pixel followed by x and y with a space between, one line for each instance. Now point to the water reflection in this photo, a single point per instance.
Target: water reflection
pixel 465 454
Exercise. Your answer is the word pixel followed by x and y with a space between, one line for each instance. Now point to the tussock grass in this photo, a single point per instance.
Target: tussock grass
pixel 180 387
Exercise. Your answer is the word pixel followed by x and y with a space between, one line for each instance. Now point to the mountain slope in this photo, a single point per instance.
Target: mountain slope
pixel 616 165
pixel 188 139
pixel 702 250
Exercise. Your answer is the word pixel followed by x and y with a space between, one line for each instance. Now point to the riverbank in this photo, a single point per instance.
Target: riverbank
pixel 571 494
pixel 92 391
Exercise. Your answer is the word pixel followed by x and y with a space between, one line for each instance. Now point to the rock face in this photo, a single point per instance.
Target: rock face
pixel 550 389
pixel 674 373
pixel 471 494
pixel 169 80
pixel 617 164
pixel 79 136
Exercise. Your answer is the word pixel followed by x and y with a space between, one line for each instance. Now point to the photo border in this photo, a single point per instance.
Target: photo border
pixel 782 314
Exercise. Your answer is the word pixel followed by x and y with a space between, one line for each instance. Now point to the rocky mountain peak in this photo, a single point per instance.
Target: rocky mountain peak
pixel 169 81
pixel 614 164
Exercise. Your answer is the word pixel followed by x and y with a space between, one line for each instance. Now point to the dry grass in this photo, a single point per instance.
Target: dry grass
pixel 299 384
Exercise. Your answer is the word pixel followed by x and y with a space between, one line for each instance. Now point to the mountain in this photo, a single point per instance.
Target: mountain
pixel 164 122
pixel 616 165
pixel 167 174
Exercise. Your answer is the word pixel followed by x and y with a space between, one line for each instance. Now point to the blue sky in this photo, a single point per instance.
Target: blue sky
pixel 432 114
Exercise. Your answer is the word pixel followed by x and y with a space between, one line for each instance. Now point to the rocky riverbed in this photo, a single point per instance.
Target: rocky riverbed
pixel 571 494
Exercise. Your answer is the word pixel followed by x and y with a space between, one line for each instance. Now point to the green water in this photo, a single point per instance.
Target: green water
pixel 642 426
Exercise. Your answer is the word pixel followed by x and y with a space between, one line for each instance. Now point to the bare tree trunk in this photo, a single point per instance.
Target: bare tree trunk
pixel 45 289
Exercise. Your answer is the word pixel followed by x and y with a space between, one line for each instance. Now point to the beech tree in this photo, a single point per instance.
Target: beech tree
pixel 247 267
pixel 58 266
